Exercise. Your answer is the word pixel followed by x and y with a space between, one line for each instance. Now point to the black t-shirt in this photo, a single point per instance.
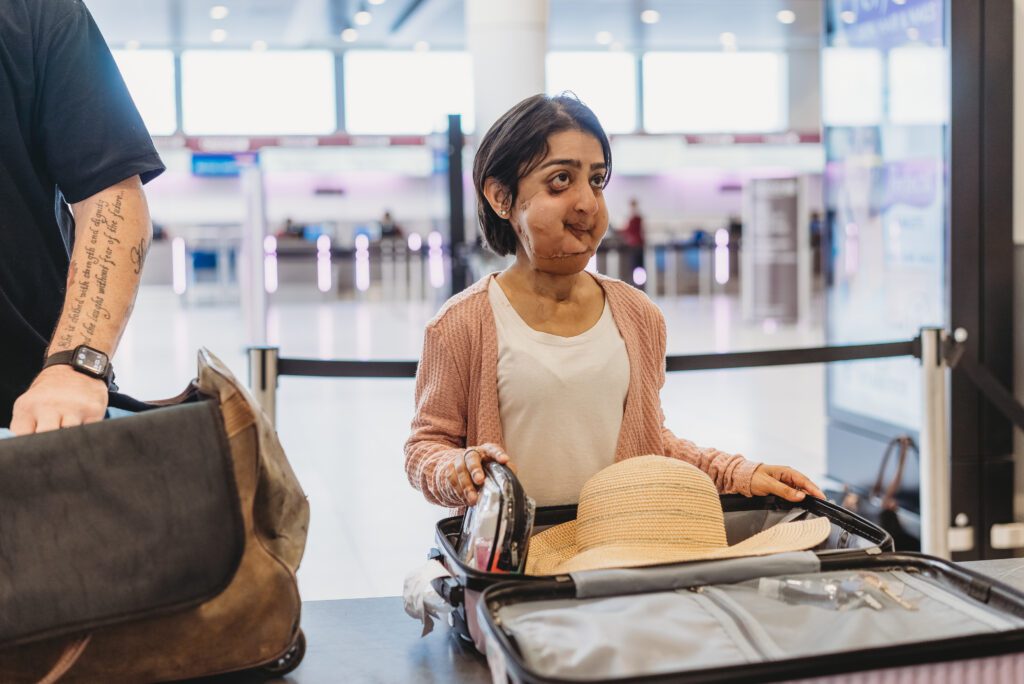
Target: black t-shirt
pixel 68 129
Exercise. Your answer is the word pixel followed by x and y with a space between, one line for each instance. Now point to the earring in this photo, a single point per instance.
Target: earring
pixel 503 212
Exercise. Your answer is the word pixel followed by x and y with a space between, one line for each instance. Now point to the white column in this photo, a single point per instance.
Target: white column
pixel 251 273
pixel 804 69
pixel 508 44
pixel 935 491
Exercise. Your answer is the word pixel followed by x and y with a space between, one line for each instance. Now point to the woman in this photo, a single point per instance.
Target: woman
pixel 546 367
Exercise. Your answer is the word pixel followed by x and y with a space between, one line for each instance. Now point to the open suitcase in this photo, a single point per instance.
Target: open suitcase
pixel 714 621
pixel 744 517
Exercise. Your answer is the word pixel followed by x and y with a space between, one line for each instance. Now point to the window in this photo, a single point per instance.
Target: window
pixel 851 87
pixel 604 81
pixel 149 75
pixel 715 92
pixel 918 85
pixel 234 92
pixel 391 93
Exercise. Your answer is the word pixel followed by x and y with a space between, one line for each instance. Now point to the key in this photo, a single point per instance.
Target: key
pixel 879 584
pixel 870 600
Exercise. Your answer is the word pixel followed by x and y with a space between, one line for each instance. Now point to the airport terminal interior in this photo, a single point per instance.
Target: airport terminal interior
pixel 787 174
pixel 345 437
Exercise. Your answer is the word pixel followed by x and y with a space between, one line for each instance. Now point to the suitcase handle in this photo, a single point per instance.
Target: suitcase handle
pixel 450 590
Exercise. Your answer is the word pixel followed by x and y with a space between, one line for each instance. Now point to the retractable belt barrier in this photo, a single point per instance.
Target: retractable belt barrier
pixel 337 368
pixel 265 364
pixel 937 350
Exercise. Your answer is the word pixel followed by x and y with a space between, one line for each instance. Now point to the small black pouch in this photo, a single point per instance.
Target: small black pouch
pixel 116 520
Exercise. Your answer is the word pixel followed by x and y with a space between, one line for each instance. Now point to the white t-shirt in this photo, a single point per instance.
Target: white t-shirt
pixel 560 400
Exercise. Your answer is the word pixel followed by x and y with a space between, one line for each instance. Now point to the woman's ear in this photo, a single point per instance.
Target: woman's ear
pixel 497 197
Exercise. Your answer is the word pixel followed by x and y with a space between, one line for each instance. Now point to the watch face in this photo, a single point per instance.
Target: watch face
pixel 90 360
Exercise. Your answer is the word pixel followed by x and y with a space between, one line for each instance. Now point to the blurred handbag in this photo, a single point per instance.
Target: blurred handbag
pixel 883 509
pixel 153 547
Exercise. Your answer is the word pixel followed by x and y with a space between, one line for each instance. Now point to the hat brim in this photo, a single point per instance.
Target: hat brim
pixel 554 552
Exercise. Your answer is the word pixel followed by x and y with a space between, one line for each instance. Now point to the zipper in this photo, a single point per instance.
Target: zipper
pixel 518 518
pixel 746 633
pixel 965 607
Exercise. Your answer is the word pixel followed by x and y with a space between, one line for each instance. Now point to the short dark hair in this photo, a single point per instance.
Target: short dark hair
pixel 513 147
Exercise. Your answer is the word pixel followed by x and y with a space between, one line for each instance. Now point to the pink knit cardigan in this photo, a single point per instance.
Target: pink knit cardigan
pixel 457 393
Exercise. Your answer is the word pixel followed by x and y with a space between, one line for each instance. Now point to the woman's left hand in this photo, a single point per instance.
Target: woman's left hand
pixel 784 482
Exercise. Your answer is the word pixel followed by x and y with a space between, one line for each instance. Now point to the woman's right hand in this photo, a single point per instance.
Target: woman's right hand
pixel 467 473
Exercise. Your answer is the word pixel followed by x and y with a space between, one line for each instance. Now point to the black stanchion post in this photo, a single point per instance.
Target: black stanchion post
pixel 456 212
pixel 263 379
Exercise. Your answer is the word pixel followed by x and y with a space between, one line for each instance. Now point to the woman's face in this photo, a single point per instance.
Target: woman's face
pixel 560 214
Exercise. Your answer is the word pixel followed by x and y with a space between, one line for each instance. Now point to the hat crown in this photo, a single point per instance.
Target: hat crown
pixel 650 501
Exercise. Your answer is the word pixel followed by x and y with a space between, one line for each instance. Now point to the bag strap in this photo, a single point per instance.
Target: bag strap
pixel 906 445
pixel 72 652
pixel 876 490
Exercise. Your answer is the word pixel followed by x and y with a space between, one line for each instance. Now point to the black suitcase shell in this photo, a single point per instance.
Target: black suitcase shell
pixel 742 518
pixel 968 583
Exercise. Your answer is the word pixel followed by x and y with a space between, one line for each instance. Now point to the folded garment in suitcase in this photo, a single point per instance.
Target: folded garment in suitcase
pixel 767 619
pixel 154 547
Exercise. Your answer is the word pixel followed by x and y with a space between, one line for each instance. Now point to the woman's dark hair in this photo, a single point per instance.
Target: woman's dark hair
pixel 513 147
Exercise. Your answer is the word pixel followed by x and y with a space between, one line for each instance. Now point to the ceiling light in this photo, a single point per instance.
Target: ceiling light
pixel 218 35
pixel 848 16
pixel 350 35
pixel 728 38
pixel 376 2
pixel 132 45
pixel 362 18
pixel 259 45
pixel 421 46
pixel 786 16
pixel 603 37
pixel 899 2
pixel 650 16
pixel 219 12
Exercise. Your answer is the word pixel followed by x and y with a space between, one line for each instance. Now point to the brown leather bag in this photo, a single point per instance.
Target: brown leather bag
pixel 881 506
pixel 154 547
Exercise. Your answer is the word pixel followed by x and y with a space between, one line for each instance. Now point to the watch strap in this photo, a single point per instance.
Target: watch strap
pixel 67 357
pixel 60 358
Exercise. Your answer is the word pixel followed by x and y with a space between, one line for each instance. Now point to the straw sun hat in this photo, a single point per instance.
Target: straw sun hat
pixel 653 509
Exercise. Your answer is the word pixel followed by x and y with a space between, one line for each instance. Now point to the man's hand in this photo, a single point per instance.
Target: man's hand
pixel 784 482
pixel 59 397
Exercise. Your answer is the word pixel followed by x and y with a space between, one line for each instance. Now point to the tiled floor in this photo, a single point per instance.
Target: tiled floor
pixel 345 437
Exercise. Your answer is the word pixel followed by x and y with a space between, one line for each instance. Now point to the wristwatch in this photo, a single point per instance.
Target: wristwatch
pixel 85 360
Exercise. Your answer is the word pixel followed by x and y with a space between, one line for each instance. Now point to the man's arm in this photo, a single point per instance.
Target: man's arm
pixel 112 234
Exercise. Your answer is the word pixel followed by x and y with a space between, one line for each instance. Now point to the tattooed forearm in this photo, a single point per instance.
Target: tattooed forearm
pixel 89 278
